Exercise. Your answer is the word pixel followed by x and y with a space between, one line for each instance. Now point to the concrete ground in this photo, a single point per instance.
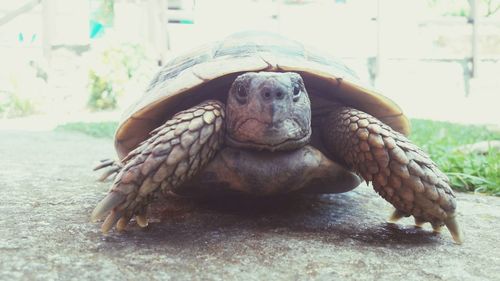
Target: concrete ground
pixel 48 191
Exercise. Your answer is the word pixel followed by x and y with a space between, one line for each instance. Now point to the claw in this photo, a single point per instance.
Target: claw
pixel 104 163
pixel 122 223
pixel 109 202
pixel 419 222
pixel 108 173
pixel 454 229
pixel 113 167
pixel 110 221
pixel 141 217
pixel 141 220
pixel 436 228
pixel 396 215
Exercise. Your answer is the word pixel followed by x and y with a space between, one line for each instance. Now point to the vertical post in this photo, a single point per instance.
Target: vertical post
pixel 164 26
pixel 380 56
pixel 474 19
pixel 47 27
pixel 158 30
pixel 471 64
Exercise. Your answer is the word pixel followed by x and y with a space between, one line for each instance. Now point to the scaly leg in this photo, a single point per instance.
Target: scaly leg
pixel 173 154
pixel 400 171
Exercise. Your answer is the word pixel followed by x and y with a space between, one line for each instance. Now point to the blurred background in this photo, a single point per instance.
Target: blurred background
pixel 438 59
pixel 68 62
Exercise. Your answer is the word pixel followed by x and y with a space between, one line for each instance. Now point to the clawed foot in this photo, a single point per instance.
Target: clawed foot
pixel 449 222
pixel 114 205
pixel 400 172
pixel 119 212
pixel 112 168
pixel 164 161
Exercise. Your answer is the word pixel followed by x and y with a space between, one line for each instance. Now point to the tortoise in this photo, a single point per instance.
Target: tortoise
pixel 257 113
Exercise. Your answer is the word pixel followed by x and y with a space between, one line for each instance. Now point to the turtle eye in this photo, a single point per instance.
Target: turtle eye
pixel 242 93
pixel 296 92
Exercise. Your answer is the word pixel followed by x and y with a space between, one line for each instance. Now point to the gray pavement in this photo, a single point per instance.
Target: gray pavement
pixel 48 190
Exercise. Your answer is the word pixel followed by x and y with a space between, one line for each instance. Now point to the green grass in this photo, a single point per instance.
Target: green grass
pixel 100 130
pixel 467 172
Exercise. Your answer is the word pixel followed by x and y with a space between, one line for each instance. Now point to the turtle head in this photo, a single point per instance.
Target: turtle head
pixel 268 111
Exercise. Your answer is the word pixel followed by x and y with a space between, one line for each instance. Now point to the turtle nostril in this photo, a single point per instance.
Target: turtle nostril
pixel 272 95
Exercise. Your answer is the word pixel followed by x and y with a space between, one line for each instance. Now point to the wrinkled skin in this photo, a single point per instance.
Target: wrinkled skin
pixel 259 142
pixel 268 111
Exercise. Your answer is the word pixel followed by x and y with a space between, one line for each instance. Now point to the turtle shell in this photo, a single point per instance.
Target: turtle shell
pixel 208 72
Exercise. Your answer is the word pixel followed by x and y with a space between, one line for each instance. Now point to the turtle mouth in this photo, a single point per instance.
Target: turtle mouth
pixel 286 134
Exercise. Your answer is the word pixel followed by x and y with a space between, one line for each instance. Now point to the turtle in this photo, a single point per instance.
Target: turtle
pixel 260 114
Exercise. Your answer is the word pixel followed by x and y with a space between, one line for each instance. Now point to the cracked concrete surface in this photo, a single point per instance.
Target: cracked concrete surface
pixel 48 191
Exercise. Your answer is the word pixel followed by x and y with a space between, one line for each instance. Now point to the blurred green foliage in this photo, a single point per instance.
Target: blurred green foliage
pixel 461 8
pixel 112 70
pixel 101 92
pixel 13 105
pixel 17 96
pixel 99 130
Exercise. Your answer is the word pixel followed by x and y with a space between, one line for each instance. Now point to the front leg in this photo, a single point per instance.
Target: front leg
pixel 174 153
pixel 400 171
